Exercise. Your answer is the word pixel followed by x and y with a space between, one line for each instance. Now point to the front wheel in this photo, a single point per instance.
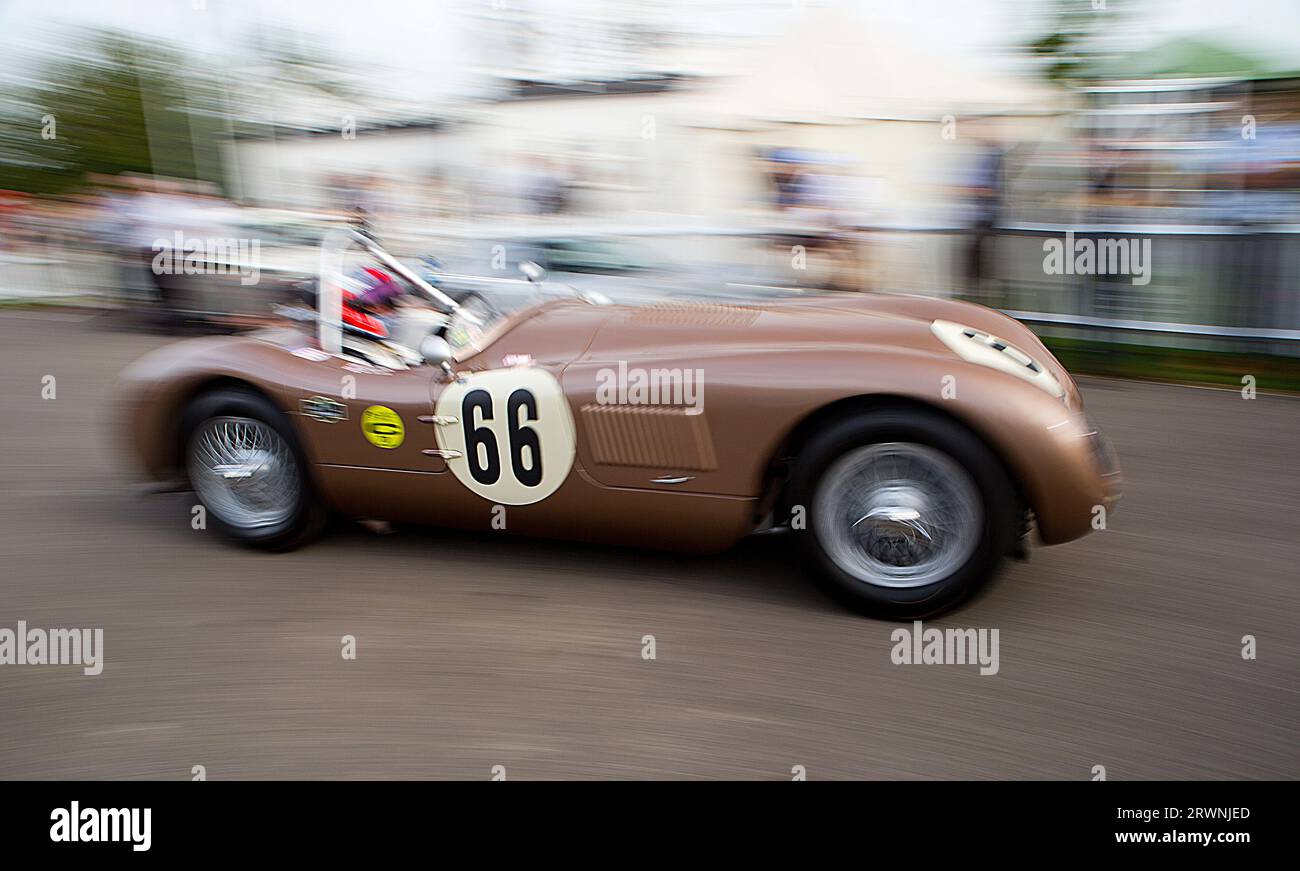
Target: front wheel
pixel 908 511
pixel 247 469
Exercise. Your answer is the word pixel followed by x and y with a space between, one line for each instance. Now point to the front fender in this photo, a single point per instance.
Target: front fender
pixel 150 394
pixel 1045 445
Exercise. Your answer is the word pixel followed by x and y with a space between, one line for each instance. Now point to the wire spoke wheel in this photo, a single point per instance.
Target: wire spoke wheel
pixel 244 471
pixel 897 514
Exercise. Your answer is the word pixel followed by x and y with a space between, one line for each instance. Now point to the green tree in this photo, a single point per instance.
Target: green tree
pixel 1075 36
pixel 115 105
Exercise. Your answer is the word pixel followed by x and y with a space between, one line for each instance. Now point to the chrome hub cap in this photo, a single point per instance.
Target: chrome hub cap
pixel 897 514
pixel 243 471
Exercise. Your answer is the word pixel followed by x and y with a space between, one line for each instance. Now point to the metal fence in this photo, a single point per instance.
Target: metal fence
pixel 1209 288
pixel 1205 288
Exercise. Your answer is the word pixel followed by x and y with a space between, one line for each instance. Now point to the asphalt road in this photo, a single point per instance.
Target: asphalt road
pixel 1121 650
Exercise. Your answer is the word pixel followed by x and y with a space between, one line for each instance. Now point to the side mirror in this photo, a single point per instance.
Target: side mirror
pixel 532 271
pixel 435 350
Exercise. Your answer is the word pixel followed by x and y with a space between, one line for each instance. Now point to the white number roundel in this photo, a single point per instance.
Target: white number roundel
pixel 513 431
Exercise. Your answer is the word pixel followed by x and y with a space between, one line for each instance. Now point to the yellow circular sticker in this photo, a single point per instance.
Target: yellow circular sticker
pixel 382 426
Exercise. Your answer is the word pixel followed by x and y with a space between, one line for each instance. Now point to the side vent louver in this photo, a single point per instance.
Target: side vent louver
pixel 657 437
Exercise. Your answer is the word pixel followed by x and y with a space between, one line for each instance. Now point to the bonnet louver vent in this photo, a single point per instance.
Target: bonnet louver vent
pixel 985 349
pixel 998 345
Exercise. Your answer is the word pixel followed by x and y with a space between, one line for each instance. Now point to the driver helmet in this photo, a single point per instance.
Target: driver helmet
pixel 380 289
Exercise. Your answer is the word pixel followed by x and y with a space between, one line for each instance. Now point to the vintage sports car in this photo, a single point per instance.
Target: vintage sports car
pixel 908 444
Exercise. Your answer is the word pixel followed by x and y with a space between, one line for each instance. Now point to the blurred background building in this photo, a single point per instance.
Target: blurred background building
pixel 931 149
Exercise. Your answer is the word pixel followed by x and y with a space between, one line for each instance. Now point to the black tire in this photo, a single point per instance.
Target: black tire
pixel 1000 509
pixel 308 515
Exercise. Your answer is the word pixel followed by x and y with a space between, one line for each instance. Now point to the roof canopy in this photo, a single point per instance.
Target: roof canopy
pixel 1189 57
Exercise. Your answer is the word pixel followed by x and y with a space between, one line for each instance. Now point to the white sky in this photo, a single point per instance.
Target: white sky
pixel 418 49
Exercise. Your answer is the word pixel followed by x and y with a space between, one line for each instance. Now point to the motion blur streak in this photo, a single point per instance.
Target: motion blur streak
pixel 1121 649
pixel 1122 177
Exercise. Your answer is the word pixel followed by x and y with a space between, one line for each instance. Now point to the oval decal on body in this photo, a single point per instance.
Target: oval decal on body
pixel 513 435
pixel 382 427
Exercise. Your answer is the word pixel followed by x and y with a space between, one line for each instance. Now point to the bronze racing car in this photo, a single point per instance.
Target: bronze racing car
pixel 909 444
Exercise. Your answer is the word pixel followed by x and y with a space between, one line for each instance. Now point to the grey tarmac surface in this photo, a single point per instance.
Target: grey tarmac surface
pixel 1122 649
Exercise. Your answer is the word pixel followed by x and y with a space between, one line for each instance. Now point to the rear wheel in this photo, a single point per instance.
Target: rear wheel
pixel 247 469
pixel 908 511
